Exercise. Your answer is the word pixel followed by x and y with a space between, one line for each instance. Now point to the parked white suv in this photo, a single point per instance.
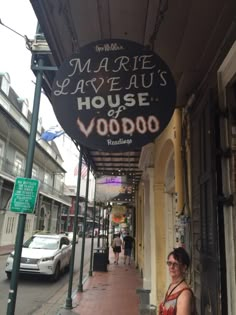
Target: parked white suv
pixel 46 254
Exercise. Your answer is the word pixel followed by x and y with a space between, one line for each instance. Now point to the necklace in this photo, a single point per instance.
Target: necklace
pixel 167 295
pixel 175 282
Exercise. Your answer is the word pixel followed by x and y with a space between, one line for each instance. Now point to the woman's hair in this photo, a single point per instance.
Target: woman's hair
pixel 180 255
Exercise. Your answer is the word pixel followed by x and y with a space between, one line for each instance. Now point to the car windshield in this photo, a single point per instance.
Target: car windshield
pixel 42 243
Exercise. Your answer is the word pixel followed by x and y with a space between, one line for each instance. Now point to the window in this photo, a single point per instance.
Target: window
pixel 25 107
pixel 35 171
pixel 58 181
pixel 5 86
pixel 46 178
pixel 18 165
pixel 2 149
pixel 64 241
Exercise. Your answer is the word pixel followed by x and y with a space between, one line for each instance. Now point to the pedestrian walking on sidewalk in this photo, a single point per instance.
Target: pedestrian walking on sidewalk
pixel 128 246
pixel 116 245
pixel 179 298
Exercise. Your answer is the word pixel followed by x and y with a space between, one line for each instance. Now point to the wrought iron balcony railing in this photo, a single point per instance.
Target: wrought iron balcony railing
pixel 12 171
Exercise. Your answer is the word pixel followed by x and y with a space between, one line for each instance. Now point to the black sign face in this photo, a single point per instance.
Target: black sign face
pixel 114 96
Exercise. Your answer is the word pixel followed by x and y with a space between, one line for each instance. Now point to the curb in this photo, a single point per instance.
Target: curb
pixel 5 254
pixel 7 251
pixel 56 304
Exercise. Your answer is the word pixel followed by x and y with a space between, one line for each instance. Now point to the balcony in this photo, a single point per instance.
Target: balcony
pixel 10 171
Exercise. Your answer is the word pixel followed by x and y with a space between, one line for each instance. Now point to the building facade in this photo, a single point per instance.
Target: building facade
pixel 186 195
pixel 15 122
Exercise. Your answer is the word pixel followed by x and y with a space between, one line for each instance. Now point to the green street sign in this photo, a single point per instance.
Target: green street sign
pixel 24 195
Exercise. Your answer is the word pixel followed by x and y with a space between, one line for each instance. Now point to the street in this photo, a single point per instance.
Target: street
pixel 34 291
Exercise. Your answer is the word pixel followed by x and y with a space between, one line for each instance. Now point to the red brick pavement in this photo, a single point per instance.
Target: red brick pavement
pixel 105 293
pixel 110 293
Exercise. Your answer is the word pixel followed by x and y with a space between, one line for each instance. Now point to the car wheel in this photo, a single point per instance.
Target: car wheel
pixel 8 275
pixel 56 274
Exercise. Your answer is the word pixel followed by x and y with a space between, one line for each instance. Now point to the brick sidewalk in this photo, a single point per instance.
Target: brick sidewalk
pixel 105 293
pixel 109 293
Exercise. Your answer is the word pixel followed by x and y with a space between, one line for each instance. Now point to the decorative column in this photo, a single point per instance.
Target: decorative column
pixel 153 228
pixel 159 193
pixel 68 219
pixel 139 231
pixel 38 211
pixel 146 236
pixel 50 216
pixel 178 162
pixel 59 219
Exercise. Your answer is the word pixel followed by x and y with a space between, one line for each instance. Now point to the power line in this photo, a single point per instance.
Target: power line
pixel 27 40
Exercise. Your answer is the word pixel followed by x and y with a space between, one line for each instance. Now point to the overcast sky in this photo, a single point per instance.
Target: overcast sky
pixel 15 58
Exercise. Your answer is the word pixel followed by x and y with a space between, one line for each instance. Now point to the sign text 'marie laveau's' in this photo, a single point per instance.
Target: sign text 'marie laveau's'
pixel 114 95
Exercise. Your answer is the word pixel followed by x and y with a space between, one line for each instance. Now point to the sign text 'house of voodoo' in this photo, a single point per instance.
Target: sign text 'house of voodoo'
pixel 114 95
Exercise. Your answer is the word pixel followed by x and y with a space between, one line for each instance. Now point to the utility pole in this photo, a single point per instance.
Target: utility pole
pixel 68 304
pixel 22 216
pixel 80 286
pixel 92 241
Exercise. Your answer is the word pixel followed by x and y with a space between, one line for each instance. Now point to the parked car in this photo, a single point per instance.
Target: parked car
pixel 46 254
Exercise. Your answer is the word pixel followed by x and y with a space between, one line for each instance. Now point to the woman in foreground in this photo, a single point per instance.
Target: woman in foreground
pixel 179 298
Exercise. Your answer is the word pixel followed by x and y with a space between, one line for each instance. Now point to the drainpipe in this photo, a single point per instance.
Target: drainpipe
pixel 28 171
pixel 68 304
pixel 178 163
pixel 92 241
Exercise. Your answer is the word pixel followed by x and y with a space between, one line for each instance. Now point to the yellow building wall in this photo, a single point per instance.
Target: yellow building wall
pixel 139 229
pixel 167 144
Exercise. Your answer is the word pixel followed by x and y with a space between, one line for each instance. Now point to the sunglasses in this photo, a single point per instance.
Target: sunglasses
pixel 173 264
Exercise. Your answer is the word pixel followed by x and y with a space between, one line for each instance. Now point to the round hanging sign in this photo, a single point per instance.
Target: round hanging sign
pixel 114 95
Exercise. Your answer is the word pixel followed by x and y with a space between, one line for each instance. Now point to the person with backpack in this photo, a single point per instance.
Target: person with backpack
pixel 128 242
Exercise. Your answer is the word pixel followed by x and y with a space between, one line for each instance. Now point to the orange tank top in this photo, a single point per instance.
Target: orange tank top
pixel 169 305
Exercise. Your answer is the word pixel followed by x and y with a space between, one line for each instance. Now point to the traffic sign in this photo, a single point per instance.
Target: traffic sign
pixel 24 195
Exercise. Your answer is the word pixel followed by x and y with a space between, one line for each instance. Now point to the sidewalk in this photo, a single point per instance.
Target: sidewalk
pixel 105 293
pixel 109 293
